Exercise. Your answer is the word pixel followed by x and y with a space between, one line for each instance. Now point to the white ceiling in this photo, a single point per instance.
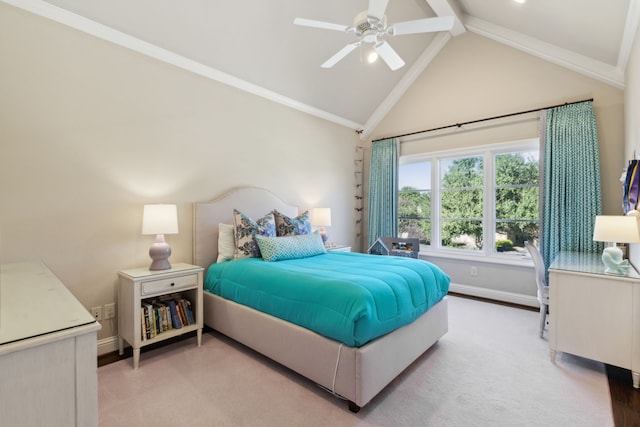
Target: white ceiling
pixel 254 45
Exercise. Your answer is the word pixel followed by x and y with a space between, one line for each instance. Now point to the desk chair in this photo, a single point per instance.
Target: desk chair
pixel 543 288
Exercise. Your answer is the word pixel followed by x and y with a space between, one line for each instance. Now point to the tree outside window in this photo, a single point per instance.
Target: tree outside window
pixel 414 201
pixel 517 192
pixel 473 200
pixel 461 203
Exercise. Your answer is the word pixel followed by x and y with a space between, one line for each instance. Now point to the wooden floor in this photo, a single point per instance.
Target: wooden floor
pixel 625 400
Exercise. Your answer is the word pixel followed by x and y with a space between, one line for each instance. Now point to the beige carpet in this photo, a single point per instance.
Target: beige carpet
pixel 490 369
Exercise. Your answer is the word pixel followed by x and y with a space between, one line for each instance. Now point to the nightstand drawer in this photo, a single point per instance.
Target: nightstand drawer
pixel 169 285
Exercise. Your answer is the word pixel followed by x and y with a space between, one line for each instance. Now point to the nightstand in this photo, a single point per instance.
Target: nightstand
pixel 339 248
pixel 141 292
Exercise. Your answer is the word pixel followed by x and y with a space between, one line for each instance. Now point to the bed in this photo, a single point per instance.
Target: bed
pixel 355 373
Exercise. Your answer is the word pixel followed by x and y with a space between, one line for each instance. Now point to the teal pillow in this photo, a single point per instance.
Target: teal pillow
pixel 290 247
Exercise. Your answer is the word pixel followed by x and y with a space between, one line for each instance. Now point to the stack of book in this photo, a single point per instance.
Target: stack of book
pixel 165 313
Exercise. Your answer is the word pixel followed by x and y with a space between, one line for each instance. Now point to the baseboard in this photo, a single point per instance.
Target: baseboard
pixel 110 344
pixel 107 345
pixel 509 297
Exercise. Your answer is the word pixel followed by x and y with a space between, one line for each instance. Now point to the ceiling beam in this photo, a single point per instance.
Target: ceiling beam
pixel 62 16
pixel 590 67
pixel 630 29
pixel 423 61
pixel 449 8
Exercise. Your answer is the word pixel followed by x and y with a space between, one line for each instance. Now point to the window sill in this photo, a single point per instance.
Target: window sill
pixel 523 260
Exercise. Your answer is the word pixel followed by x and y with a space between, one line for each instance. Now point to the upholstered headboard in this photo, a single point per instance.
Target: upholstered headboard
pixel 252 201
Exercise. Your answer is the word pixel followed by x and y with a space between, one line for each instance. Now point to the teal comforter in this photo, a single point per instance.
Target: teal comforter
pixel 348 297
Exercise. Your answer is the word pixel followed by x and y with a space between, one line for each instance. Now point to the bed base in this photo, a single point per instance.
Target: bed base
pixel 361 373
pixel 356 374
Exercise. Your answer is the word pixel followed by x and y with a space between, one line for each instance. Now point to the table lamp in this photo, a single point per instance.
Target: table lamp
pixel 321 217
pixel 614 229
pixel 160 220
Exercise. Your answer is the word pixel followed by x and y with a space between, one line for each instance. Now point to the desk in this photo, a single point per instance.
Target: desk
pixel 48 361
pixel 593 314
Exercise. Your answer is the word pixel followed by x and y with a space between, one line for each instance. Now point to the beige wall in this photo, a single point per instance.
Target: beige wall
pixel 474 78
pixel 632 101
pixel 90 132
pixel 632 120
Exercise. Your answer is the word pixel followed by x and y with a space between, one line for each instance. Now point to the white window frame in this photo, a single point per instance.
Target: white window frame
pixel 488 152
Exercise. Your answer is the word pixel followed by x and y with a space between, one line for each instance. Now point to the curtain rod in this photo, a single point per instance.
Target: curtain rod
pixel 484 120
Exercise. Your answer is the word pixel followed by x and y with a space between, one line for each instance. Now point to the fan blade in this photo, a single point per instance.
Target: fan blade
pixel 389 55
pixel 319 24
pixel 341 54
pixel 377 8
pixel 426 25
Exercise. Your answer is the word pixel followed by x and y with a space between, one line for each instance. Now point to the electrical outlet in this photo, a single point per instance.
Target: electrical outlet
pixel 109 311
pixel 474 271
pixel 97 313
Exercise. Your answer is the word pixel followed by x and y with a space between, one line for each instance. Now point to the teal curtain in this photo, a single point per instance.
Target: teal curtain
pixel 383 190
pixel 571 196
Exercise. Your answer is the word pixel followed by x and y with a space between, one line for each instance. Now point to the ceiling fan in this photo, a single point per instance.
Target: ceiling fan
pixel 370 26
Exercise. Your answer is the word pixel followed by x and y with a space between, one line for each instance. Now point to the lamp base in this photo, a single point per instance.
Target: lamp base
pixel 324 236
pixel 612 258
pixel 160 252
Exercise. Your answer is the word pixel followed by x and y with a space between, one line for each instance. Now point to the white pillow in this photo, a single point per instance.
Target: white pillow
pixel 226 242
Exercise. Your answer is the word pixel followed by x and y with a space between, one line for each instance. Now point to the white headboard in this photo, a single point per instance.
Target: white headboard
pixel 252 201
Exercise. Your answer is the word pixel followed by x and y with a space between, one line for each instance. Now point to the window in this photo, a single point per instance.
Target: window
pixel 483 201
pixel 516 199
pixel 461 202
pixel 414 201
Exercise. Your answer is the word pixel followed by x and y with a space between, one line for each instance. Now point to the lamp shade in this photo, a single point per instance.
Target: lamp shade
pixel 160 219
pixel 321 217
pixel 616 229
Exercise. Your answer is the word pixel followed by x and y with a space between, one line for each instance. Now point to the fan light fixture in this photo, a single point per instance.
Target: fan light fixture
pixel 370 27
pixel 368 54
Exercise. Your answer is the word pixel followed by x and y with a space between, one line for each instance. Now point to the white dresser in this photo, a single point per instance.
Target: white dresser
pixel 593 314
pixel 48 351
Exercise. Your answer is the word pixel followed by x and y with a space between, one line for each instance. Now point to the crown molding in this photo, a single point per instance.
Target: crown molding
pixel 88 26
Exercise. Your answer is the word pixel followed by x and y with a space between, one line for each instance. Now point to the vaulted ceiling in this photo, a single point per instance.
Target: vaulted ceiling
pixel 255 46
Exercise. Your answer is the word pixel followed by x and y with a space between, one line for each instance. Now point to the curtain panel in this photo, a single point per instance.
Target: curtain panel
pixel 571 196
pixel 383 190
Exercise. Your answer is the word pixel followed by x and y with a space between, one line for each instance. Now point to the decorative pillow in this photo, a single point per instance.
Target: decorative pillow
pixel 290 247
pixel 286 226
pixel 226 242
pixel 246 229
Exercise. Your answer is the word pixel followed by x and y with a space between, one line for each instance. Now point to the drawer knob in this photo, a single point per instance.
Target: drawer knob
pixel 173 284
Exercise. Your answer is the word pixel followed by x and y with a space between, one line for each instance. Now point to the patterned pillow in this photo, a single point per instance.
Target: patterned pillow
pixel 286 226
pixel 246 229
pixel 290 247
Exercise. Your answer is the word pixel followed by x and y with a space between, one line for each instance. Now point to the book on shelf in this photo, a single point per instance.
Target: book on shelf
pixel 175 318
pixel 188 311
pixel 151 330
pixel 183 317
pixel 144 323
pixel 165 313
